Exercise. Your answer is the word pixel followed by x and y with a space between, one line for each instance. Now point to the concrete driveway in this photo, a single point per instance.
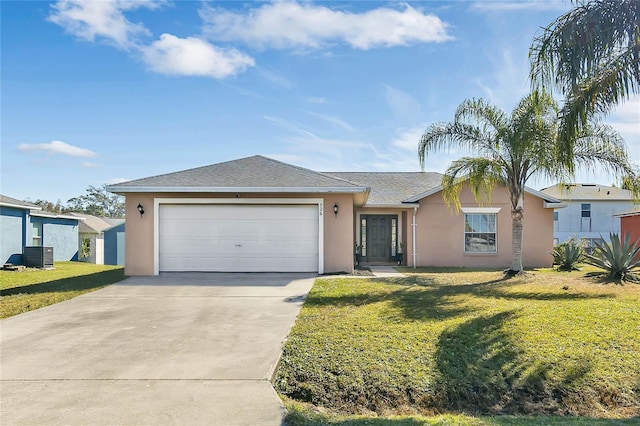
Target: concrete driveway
pixel 175 349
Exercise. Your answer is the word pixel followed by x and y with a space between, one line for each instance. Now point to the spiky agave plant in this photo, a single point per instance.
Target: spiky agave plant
pixel 617 258
pixel 568 256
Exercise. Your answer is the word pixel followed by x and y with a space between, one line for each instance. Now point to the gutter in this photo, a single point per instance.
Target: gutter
pixel 56 216
pixel 17 206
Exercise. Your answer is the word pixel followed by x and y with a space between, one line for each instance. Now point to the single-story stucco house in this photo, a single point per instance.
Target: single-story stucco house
pixel 101 240
pixel 257 214
pixel 24 224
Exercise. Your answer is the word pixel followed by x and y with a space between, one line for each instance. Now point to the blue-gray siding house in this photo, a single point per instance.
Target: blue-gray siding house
pixel 101 240
pixel 24 224
pixel 114 245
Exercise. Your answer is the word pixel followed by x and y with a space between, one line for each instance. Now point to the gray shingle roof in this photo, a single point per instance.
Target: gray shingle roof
pixel 95 225
pixel 245 173
pixel 586 191
pixel 392 187
pixel 4 200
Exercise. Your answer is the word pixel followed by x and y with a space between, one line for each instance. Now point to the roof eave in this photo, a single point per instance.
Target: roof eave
pixel 553 205
pixel 56 216
pixel 545 197
pixel 18 206
pixel 238 190
pixel 402 205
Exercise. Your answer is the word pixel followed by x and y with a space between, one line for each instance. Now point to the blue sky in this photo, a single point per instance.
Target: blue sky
pixel 99 92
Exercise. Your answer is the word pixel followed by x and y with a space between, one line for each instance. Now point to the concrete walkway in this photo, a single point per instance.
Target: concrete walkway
pixel 385 272
pixel 171 350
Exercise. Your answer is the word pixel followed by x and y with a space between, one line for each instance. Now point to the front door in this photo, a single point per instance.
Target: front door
pixel 379 238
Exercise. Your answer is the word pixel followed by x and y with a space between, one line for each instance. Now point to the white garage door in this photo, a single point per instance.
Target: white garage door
pixel 238 238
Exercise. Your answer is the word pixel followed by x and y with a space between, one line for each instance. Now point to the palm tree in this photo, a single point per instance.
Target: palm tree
pixel 592 54
pixel 511 149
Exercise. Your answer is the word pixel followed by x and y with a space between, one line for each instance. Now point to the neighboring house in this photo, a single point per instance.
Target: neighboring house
pixel 101 240
pixel 589 212
pixel 630 224
pixel 257 214
pixel 24 224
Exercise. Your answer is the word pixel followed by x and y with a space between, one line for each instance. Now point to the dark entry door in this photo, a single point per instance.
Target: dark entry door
pixel 379 239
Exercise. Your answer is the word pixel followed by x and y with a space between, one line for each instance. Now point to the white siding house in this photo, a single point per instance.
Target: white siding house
pixel 589 212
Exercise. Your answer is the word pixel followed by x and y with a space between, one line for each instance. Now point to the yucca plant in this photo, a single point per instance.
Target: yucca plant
pixel 617 258
pixel 568 256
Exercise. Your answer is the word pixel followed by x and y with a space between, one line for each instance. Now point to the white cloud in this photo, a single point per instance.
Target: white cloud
pixel 194 57
pixel 169 54
pixel 403 105
pixel 509 81
pixel 408 139
pixel 316 100
pixel 57 147
pixel 334 120
pixel 276 78
pixel 92 19
pixel 283 25
pixel 115 181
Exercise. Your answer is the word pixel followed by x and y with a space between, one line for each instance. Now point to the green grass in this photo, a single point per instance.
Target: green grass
pixel 300 414
pixel 304 415
pixel 35 288
pixel 452 341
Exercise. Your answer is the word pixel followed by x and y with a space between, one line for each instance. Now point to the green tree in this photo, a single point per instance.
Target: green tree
pixel 49 206
pixel 592 54
pixel 511 149
pixel 98 202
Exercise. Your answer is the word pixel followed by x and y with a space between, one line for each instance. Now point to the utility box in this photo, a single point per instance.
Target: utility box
pixel 38 257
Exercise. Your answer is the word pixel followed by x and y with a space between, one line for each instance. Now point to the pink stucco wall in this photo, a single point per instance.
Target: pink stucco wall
pixel 440 233
pixel 338 229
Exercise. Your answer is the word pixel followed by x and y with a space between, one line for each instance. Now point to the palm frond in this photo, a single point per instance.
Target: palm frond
pixel 480 173
pixel 600 146
pixel 577 43
pixel 491 119
pixel 444 136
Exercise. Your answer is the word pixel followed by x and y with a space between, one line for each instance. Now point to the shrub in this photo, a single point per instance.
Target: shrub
pixel 618 258
pixel 568 255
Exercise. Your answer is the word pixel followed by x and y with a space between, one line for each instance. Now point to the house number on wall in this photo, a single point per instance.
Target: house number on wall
pixel 320 207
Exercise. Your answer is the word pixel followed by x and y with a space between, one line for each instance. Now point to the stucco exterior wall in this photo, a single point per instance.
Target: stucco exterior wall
pixel 630 225
pixel 11 234
pixel 139 235
pixel 139 240
pixel 338 233
pixel 61 234
pixel 440 233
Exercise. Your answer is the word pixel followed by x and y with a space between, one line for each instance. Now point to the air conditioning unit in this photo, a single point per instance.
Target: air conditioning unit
pixel 38 257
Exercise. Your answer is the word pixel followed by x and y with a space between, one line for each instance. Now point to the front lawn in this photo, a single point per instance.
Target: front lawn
pixel 469 342
pixel 34 288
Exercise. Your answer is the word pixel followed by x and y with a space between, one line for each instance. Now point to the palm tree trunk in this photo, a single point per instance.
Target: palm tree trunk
pixel 516 248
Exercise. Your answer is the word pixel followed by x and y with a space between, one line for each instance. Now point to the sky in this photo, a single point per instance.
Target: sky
pixel 100 92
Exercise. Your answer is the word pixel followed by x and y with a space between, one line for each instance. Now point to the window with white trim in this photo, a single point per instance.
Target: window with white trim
pixel 585 217
pixel 36 233
pixel 363 236
pixel 480 233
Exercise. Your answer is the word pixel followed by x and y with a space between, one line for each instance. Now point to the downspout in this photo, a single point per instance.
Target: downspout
pixel 414 255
